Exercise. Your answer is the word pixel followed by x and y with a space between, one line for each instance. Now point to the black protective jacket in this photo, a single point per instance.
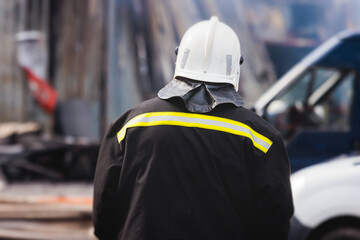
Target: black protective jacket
pixel 166 173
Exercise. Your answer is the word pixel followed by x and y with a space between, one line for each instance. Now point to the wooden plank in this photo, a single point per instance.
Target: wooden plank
pixel 45 211
pixel 49 230
pixel 46 201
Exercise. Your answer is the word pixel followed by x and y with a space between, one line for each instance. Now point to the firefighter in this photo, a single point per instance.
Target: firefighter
pixel 193 163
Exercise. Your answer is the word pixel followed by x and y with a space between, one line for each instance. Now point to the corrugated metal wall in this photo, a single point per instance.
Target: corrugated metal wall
pixel 165 21
pixel 123 85
pixel 8 100
pixel 15 16
pixel 79 54
pixel 75 37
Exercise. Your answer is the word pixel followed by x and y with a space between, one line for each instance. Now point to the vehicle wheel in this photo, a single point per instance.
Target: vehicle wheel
pixel 343 233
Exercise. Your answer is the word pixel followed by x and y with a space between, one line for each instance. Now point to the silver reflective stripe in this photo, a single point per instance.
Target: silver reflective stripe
pixel 184 58
pixel 198 121
pixel 228 64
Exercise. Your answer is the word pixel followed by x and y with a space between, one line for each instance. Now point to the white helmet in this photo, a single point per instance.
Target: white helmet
pixel 210 52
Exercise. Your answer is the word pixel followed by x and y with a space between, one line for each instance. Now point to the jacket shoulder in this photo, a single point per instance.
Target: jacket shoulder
pixel 257 123
pixel 152 105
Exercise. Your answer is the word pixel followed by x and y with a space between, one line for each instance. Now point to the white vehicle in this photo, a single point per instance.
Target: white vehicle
pixel 327 201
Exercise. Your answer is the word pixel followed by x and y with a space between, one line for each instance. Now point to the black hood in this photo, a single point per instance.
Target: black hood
pixel 201 97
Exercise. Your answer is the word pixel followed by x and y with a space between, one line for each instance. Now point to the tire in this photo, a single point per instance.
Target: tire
pixel 343 233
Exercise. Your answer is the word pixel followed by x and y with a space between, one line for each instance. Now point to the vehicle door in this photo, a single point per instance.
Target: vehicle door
pixel 315 114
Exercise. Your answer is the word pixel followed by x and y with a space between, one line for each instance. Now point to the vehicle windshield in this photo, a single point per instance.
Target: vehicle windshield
pixel 314 100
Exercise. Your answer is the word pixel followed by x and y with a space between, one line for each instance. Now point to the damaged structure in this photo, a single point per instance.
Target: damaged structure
pixel 67 70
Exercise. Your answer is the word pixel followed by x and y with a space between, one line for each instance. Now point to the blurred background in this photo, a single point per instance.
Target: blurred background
pixel 68 68
pixel 114 54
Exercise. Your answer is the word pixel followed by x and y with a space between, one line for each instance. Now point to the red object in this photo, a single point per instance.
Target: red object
pixel 44 94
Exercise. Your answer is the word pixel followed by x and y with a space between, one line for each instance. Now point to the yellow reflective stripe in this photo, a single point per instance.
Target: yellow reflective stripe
pixel 226 120
pixel 198 121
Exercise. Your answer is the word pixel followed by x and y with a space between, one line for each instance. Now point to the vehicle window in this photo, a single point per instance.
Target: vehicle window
pixel 335 108
pixel 289 110
pixel 296 93
pixel 321 75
